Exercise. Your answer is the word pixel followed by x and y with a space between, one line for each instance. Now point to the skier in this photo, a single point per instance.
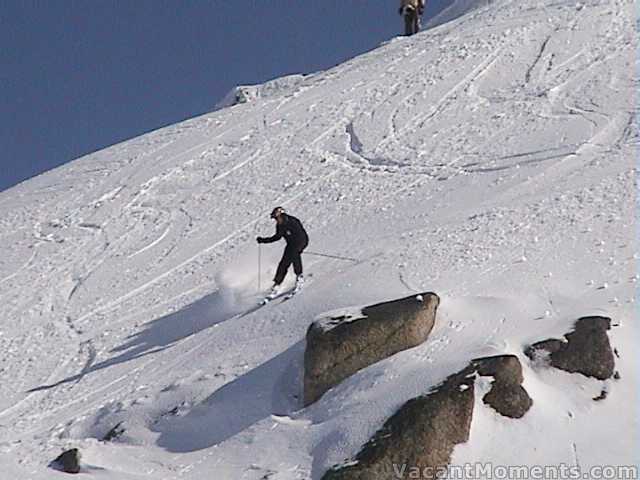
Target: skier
pixel 291 229
pixel 411 10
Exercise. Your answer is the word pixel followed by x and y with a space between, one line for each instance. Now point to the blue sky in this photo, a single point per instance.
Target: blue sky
pixel 79 75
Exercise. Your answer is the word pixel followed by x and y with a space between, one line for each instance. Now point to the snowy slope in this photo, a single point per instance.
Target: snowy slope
pixel 489 159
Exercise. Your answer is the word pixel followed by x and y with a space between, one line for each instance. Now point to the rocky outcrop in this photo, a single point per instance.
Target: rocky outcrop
pixel 340 345
pixel 249 93
pixel 424 432
pixel 68 462
pixel 585 350
pixel 114 433
pixel 507 395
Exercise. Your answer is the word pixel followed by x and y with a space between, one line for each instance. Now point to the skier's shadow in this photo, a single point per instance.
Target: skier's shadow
pixel 271 388
pixel 161 334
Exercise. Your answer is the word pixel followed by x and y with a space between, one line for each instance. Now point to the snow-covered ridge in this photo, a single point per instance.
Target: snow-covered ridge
pixel 248 93
pixel 288 85
pixel 490 160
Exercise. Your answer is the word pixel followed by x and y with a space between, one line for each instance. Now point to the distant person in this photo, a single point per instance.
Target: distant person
pixel 411 11
pixel 291 229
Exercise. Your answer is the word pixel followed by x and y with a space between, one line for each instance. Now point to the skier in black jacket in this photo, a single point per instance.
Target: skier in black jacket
pixel 291 229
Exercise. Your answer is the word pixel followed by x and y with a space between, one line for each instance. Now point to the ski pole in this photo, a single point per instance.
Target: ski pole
pixel 337 257
pixel 259 266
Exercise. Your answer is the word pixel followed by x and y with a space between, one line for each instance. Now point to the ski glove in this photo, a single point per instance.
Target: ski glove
pixel 260 240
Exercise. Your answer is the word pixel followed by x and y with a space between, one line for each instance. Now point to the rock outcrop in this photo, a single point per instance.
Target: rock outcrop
pixel 114 433
pixel 424 432
pixel 250 93
pixel 339 346
pixel 507 395
pixel 585 350
pixel 68 462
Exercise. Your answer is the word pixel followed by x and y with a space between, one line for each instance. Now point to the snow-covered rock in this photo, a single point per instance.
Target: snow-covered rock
pixel 420 435
pixel 419 439
pixel 248 93
pixel 339 346
pixel 506 396
pixel 586 349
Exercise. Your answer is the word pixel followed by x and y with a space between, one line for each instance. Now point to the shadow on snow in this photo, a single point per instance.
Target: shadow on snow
pixel 161 334
pixel 270 388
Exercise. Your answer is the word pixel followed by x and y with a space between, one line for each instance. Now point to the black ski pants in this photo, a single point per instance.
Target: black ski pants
pixel 411 22
pixel 291 255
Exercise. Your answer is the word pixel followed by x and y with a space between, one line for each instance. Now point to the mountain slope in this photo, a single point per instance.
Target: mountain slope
pixel 490 159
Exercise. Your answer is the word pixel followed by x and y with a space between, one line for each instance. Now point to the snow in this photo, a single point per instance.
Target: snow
pixel 330 320
pixel 249 93
pixel 490 159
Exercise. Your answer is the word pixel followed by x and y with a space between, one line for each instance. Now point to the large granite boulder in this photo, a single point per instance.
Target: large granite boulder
pixel 585 350
pixel 422 434
pixel 340 345
pixel 507 396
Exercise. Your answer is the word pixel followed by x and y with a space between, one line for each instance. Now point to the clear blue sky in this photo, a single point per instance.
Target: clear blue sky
pixel 80 75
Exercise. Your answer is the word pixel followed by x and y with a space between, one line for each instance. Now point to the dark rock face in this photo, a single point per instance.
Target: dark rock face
pixel 68 461
pixel 424 432
pixel 421 434
pixel 339 347
pixel 114 433
pixel 587 349
pixel 507 396
pixel 603 396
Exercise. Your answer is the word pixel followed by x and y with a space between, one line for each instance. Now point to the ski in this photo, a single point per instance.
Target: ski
pixel 266 300
pixel 261 302
pixel 289 295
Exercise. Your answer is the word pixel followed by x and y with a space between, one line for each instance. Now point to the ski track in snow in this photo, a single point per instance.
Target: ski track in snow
pixel 489 159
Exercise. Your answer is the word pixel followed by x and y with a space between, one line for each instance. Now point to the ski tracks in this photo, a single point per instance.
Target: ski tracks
pixel 474 75
pixel 142 288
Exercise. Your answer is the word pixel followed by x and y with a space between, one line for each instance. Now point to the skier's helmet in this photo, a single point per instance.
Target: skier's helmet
pixel 276 212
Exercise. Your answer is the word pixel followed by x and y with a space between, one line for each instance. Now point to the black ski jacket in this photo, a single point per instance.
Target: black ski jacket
pixel 292 231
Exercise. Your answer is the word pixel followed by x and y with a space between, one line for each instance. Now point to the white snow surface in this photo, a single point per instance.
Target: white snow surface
pixel 490 159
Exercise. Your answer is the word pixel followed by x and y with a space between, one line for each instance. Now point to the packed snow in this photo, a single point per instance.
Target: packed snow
pixel 489 159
